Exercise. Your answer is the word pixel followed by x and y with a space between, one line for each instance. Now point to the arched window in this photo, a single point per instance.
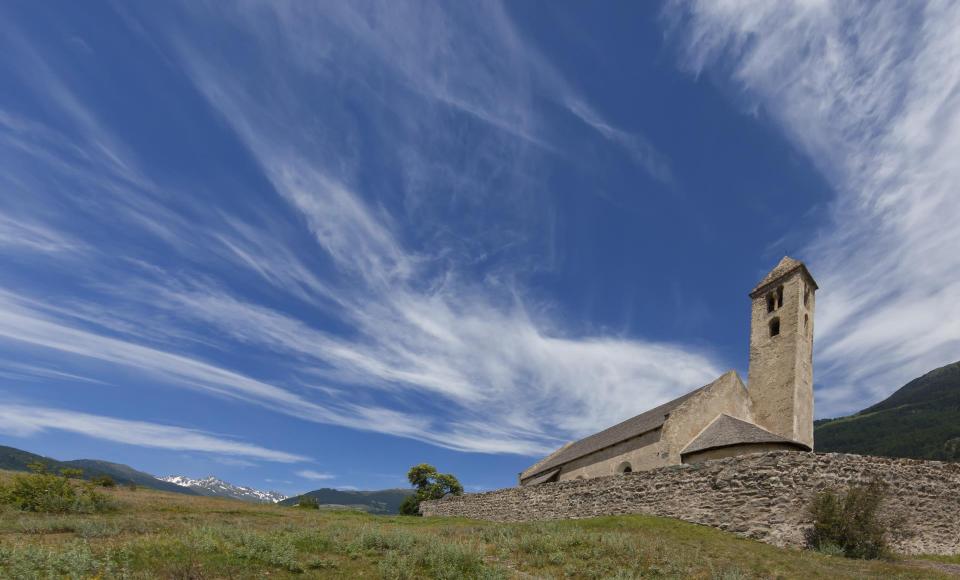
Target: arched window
pixel 806 324
pixel 624 467
pixel 775 327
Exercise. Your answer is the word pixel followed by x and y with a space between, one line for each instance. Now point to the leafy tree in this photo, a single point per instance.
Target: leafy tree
pixel 430 485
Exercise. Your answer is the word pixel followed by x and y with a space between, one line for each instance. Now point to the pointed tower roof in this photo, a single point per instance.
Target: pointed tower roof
pixel 786 266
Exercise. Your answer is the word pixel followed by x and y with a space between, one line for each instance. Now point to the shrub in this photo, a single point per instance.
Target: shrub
pixel 103 481
pixel 48 493
pixel 410 506
pixel 307 502
pixel 71 473
pixel 848 523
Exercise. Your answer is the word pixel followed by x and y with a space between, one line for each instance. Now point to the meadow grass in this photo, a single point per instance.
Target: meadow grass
pixel 154 534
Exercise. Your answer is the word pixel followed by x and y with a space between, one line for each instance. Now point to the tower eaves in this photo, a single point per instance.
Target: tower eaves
pixel 786 266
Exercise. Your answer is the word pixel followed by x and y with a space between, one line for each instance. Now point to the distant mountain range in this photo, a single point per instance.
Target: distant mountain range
pixel 921 420
pixel 386 501
pixel 17 460
pixel 211 486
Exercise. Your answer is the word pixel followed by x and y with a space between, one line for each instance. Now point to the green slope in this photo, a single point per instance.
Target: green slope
pixel 385 501
pixel 17 460
pixel 921 420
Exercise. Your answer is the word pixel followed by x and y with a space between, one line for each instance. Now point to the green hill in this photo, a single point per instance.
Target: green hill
pixel 921 420
pixel 15 459
pixel 385 501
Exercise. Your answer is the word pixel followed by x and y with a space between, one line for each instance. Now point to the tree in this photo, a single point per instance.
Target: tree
pixel 430 485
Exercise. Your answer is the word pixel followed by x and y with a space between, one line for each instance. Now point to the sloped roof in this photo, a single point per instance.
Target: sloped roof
pixel 628 429
pixel 543 477
pixel 726 430
pixel 784 267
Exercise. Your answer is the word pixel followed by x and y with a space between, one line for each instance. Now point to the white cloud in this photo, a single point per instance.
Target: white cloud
pixel 463 363
pixel 641 150
pixel 869 91
pixel 314 475
pixel 25 420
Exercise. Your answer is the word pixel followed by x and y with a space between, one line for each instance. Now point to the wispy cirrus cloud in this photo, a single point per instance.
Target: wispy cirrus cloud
pixel 24 420
pixel 315 475
pixel 869 91
pixel 369 318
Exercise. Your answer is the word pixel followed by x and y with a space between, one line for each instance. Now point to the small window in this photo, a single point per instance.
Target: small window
pixel 771 302
pixel 806 324
pixel 775 327
pixel 806 296
pixel 780 297
pixel 624 467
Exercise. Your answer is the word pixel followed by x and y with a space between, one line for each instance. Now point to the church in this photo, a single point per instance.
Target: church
pixel 723 418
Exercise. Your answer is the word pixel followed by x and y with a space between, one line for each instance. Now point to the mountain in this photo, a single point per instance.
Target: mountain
pixel 17 460
pixel 218 488
pixel 385 501
pixel 921 420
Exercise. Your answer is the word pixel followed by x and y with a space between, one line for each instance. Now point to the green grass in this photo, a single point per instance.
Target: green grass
pixel 154 534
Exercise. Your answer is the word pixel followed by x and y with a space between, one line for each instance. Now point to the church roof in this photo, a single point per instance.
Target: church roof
pixel 633 427
pixel 543 477
pixel 725 431
pixel 786 266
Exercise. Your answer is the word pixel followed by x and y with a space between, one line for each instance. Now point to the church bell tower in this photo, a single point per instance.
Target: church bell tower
pixel 780 378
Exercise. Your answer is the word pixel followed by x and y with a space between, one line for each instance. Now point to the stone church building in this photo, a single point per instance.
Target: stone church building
pixel 723 418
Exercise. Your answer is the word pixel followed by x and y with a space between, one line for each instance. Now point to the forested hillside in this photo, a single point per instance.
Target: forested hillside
pixel 921 420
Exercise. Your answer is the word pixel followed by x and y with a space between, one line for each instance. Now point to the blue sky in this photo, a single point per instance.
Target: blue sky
pixel 311 244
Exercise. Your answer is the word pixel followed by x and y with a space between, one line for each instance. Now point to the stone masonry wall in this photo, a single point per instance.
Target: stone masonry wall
pixel 764 496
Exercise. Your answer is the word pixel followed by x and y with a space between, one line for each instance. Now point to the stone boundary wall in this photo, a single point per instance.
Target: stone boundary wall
pixel 764 496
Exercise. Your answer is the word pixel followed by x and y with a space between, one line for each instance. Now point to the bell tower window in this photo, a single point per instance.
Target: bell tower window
pixel 775 299
pixel 775 327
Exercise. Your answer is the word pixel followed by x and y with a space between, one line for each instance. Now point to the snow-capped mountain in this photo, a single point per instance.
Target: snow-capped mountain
pixel 218 488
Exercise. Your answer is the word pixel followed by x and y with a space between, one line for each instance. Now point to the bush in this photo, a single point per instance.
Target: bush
pixel 410 506
pixel 307 502
pixel 848 523
pixel 103 481
pixel 48 493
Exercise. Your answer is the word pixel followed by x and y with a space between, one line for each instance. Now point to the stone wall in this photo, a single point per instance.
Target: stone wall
pixel 764 496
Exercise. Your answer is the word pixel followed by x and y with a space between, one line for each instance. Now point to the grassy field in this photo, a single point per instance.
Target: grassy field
pixel 154 534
